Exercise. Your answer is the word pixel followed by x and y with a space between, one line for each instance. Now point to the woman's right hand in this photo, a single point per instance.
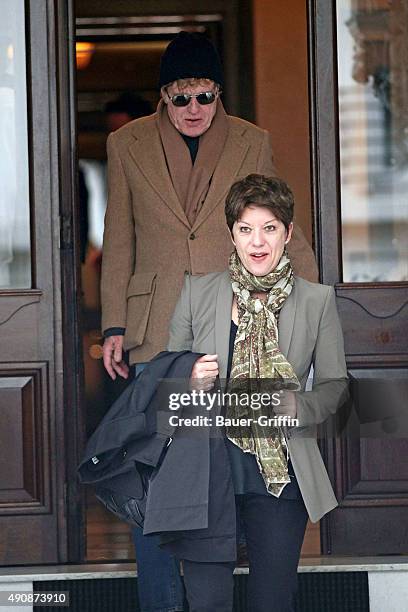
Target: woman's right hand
pixel 204 373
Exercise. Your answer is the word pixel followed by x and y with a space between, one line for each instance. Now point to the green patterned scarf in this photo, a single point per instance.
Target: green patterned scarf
pixel 257 356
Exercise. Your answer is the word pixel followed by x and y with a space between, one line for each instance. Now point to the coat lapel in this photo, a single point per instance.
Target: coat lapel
pixel 147 152
pixel 235 149
pixel 286 322
pixel 223 308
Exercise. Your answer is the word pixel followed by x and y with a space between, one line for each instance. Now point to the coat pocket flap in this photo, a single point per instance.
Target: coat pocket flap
pixel 141 283
pixel 140 293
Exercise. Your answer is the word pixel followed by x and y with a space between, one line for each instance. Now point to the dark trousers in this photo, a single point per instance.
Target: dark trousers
pixel 274 530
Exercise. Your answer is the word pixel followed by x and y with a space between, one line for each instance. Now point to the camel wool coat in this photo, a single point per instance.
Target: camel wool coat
pixel 148 243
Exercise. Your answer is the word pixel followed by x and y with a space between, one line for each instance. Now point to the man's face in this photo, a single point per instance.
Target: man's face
pixel 193 119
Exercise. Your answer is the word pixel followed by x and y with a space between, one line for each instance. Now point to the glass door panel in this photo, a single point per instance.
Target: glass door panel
pixel 372 46
pixel 15 257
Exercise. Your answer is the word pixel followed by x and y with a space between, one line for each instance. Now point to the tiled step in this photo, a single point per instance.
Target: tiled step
pixel 127 570
pixel 328 579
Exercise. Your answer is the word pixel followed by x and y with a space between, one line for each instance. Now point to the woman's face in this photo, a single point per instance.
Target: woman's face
pixel 259 238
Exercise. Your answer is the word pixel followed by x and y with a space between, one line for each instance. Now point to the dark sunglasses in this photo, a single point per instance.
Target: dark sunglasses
pixel 206 97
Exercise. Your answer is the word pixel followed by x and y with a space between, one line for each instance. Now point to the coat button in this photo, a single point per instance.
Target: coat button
pixel 192 236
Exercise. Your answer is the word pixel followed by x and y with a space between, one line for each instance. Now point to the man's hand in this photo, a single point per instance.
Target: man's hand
pixel 287 406
pixel 112 357
pixel 204 373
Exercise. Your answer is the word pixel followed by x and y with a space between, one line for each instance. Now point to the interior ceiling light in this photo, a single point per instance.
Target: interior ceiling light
pixel 84 52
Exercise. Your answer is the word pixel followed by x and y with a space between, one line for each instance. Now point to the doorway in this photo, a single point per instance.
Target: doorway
pixel 118 55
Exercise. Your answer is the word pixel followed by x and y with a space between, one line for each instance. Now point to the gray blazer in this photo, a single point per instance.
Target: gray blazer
pixel 309 333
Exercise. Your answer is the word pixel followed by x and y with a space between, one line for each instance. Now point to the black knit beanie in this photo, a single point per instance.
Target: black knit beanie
pixel 190 55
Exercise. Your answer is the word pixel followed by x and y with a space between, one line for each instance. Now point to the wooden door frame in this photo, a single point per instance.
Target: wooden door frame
pixel 53 105
pixel 72 355
pixel 325 157
pixel 325 166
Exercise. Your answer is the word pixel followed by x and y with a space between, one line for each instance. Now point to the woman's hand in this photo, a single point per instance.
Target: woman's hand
pixel 287 405
pixel 204 373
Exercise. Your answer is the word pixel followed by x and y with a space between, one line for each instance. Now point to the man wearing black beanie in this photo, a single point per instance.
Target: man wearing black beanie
pixel 168 175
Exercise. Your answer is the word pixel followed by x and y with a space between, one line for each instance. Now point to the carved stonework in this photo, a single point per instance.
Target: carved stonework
pixel 399 78
pixel 380 32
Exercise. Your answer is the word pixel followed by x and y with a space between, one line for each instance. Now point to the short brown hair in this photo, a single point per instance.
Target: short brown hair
pixel 259 190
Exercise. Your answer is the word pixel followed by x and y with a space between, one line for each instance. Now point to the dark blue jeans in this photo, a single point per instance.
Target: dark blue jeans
pixel 159 583
pixel 160 586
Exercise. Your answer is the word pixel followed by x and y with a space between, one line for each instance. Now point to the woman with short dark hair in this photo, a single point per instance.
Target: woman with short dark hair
pixel 256 323
pixel 269 192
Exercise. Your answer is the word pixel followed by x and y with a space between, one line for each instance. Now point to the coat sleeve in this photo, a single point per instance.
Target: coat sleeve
pixel 118 251
pixel 265 163
pixel 180 331
pixel 299 250
pixel 330 384
pixel 302 256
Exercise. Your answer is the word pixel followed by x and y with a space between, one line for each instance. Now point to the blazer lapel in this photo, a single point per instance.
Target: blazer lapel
pixel 147 153
pixel 226 172
pixel 223 308
pixel 286 322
